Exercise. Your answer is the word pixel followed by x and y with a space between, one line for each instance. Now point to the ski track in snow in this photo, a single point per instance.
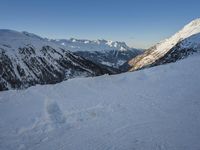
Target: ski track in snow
pixel 155 109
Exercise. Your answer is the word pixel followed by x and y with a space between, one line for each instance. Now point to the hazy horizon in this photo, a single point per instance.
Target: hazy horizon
pixel 137 23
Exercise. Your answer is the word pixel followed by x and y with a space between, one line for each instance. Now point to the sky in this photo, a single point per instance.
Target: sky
pixel 140 23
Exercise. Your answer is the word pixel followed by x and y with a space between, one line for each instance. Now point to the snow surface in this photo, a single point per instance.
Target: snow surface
pixel 151 109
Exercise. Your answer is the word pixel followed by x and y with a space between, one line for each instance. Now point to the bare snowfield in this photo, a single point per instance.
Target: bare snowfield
pixel 151 109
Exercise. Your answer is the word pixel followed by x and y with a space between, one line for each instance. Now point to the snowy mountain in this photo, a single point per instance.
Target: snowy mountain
pixel 151 109
pixel 75 45
pixel 179 46
pixel 27 59
pixel 108 53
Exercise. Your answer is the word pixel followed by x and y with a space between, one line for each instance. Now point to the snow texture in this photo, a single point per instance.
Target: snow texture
pixel 151 109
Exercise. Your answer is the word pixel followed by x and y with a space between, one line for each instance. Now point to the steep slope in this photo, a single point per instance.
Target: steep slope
pixel 152 109
pixel 108 53
pixel 179 46
pixel 27 59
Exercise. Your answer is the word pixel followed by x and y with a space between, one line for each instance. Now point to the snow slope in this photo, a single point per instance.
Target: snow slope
pixel 151 109
pixel 180 45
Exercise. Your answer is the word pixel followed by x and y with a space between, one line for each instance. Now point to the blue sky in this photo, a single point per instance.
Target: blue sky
pixel 140 23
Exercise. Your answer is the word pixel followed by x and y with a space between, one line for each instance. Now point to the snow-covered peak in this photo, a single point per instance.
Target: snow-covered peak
pixel 11 34
pixel 190 29
pixel 187 38
pixel 32 35
pixel 7 35
pixel 14 39
pixel 90 45
pixel 195 23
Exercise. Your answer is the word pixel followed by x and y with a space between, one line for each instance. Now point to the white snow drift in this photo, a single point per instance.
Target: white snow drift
pixel 152 109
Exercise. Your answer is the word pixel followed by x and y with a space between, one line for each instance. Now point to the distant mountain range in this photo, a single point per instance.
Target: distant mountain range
pixel 103 52
pixel 75 45
pixel 184 43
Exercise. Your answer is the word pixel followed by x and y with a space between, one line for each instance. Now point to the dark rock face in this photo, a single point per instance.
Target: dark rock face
pixel 7 72
pixel 29 66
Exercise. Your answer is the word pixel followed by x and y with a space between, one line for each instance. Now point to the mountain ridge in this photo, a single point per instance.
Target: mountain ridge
pixel 26 60
pixel 159 50
pixel 91 45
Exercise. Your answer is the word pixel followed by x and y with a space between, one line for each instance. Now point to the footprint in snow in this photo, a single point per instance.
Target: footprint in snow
pixel 54 113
